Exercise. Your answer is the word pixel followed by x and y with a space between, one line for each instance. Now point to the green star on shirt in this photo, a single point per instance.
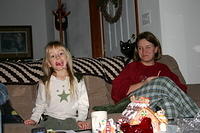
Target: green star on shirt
pixel 63 96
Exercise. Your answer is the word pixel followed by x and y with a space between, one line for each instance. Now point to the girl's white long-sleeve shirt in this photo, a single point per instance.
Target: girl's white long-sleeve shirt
pixel 61 104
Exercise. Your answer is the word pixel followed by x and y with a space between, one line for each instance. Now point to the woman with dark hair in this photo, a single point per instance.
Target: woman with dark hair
pixel 150 37
pixel 144 77
pixel 143 69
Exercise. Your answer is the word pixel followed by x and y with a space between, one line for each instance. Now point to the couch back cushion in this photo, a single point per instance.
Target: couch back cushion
pixel 97 92
pixel 173 66
pixel 22 99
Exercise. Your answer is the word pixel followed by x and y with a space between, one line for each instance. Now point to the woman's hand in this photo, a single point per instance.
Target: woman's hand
pixel 152 77
pixel 29 122
pixel 84 125
pixel 140 84
pixel 147 80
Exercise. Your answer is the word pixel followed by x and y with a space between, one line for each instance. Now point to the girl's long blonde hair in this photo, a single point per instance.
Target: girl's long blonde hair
pixel 49 70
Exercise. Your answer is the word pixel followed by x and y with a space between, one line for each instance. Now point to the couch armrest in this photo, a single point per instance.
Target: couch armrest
pixel 194 91
pixel 0 122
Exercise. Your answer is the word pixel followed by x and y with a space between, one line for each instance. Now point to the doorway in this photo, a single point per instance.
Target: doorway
pixel 105 37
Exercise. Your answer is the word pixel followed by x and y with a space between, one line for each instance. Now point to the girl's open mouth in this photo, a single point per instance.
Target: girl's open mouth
pixel 59 63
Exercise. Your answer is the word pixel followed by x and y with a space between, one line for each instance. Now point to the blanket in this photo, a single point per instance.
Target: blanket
pixel 163 92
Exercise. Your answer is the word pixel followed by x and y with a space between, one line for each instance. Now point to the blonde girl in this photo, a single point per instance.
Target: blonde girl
pixel 62 100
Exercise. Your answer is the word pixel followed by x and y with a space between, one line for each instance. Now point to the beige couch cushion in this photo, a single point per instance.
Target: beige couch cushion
pixel 22 98
pixel 109 89
pixel 173 66
pixel 97 92
pixel 193 92
pixel 17 128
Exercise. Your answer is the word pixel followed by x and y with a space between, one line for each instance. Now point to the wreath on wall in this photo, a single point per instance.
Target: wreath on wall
pixel 103 5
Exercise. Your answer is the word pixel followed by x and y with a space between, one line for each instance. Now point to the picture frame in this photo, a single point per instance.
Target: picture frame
pixel 16 42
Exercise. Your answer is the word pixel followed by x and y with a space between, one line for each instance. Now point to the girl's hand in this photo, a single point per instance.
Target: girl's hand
pixel 29 122
pixel 84 125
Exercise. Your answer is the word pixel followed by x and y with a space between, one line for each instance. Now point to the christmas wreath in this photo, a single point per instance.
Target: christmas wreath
pixel 103 4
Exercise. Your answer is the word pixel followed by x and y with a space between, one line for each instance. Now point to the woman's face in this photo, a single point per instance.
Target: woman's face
pixel 57 59
pixel 146 51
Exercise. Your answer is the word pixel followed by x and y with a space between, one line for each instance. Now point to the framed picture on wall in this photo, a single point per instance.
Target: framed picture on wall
pixel 16 42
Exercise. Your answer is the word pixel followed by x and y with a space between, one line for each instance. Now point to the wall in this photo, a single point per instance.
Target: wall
pixel 50 5
pixel 78 31
pixel 30 12
pixel 38 13
pixel 176 22
pixel 150 7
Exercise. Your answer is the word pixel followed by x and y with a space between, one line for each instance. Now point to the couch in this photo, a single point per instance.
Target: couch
pixel 98 74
